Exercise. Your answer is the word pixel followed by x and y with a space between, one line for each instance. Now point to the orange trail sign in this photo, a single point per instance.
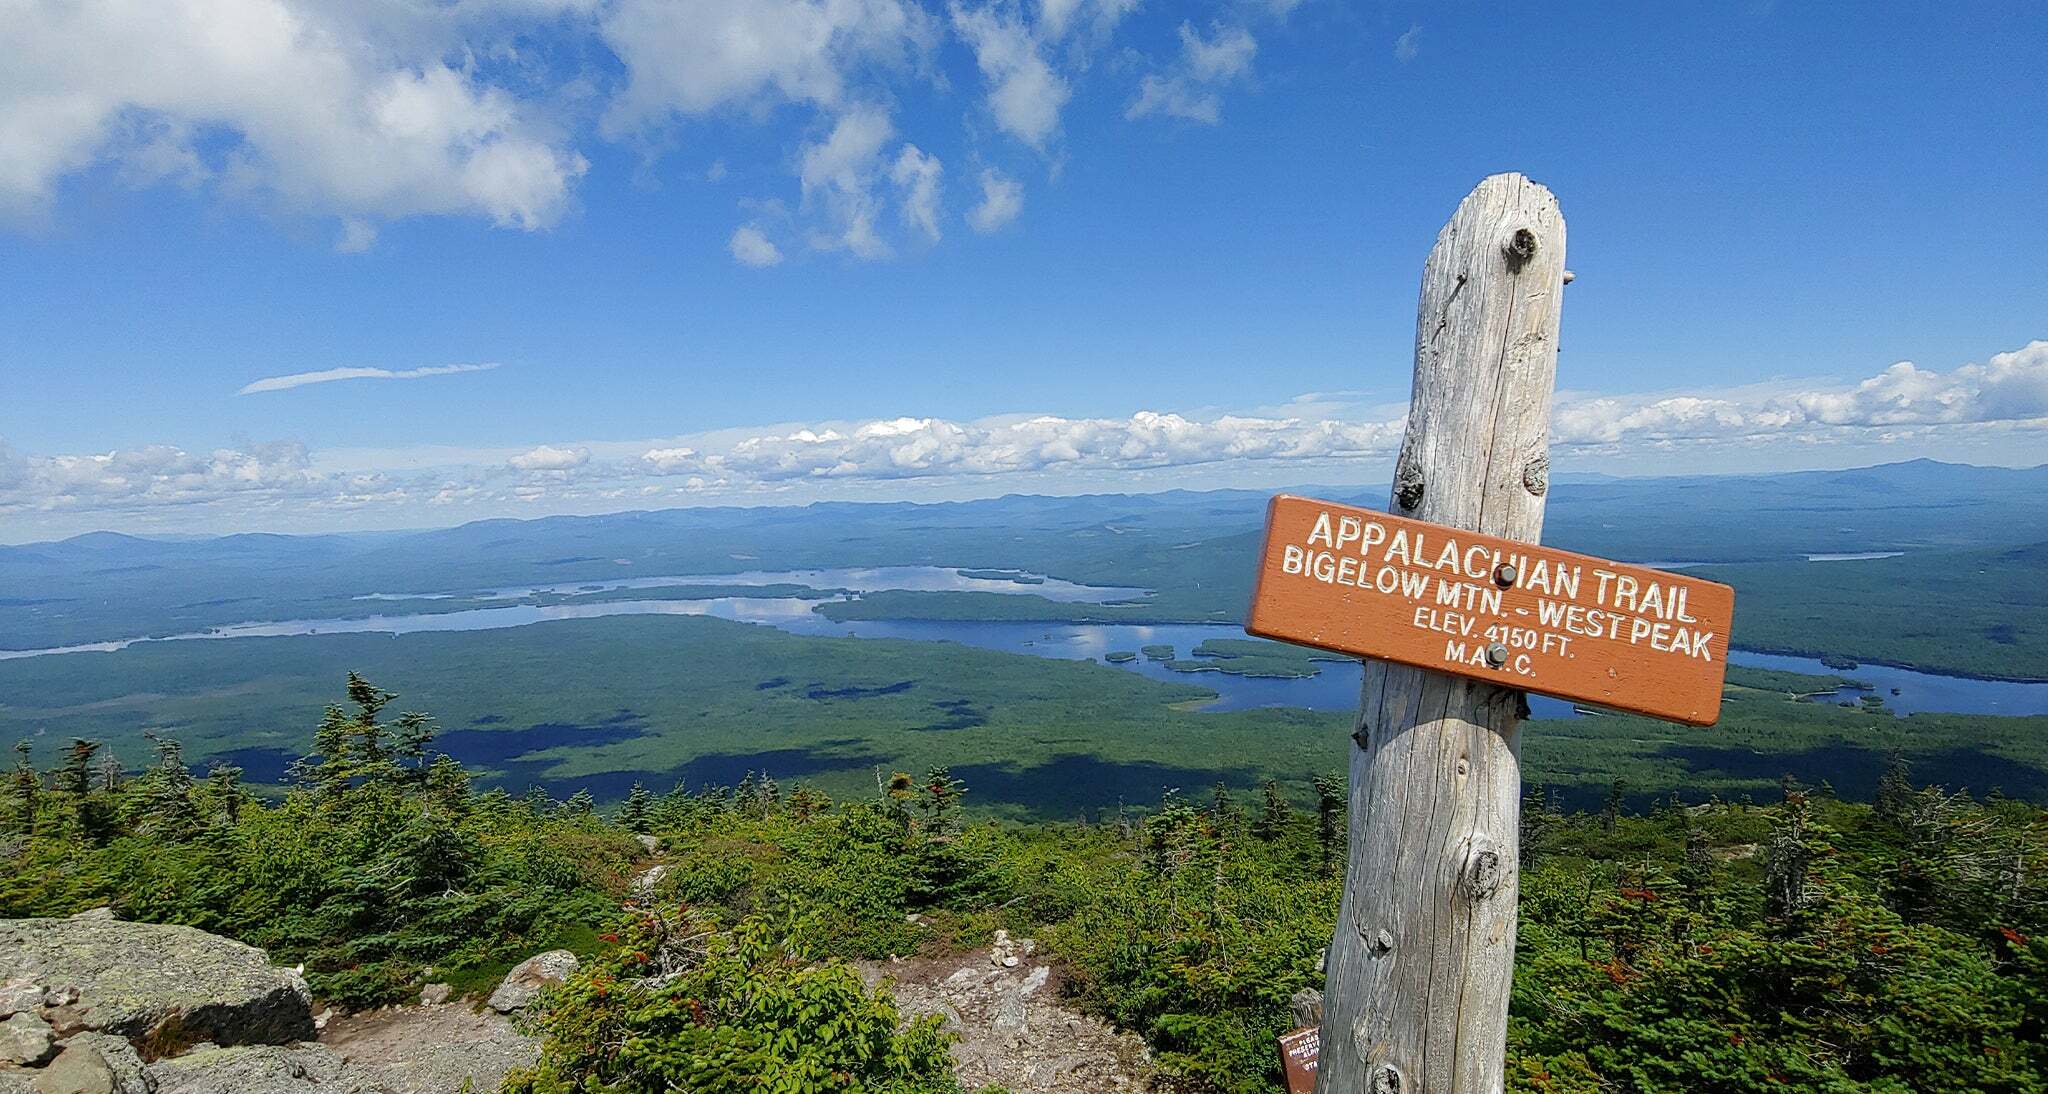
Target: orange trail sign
pixel 1357 581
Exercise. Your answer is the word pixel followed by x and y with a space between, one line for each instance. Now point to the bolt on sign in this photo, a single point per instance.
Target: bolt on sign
pixel 1577 627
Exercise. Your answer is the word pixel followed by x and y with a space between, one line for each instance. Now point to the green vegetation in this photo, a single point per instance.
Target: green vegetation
pixel 380 863
pixel 682 1005
pixel 666 699
pixel 1809 944
pixel 1253 657
pixel 1120 657
pixel 1787 683
pixel 1980 613
pixel 1012 576
pixel 1157 652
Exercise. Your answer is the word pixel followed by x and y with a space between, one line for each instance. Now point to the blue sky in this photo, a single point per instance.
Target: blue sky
pixel 1179 242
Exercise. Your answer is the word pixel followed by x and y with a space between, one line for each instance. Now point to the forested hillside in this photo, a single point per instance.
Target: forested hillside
pixel 1798 941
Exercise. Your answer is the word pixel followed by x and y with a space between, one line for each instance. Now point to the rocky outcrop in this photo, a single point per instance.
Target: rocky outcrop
pixel 94 1005
pixel 94 1063
pixel 528 978
pixel 1014 1031
pixel 432 1049
pixel 263 1069
pixel 87 1001
pixel 26 1040
pixel 162 987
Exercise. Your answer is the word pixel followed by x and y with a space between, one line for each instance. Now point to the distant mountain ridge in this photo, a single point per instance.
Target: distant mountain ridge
pixel 108 585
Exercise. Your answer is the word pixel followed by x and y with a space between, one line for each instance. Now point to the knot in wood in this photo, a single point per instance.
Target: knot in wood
pixel 1408 486
pixel 1380 944
pixel 1386 1079
pixel 1520 248
pixel 1536 476
pixel 1484 870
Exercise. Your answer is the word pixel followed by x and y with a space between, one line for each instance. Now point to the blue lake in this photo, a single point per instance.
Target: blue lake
pixel 1334 688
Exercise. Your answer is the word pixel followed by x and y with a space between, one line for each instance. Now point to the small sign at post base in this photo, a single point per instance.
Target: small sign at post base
pixel 1298 1052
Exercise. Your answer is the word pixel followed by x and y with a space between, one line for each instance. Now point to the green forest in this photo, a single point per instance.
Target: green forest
pixel 1790 939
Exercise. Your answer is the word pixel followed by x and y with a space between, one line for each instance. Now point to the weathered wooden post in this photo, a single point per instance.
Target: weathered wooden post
pixel 1418 975
pixel 1459 613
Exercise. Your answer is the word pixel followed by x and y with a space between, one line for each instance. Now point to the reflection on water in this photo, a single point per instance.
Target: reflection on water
pixel 860 579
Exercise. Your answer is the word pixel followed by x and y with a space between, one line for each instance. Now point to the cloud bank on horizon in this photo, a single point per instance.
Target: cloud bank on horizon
pixel 1903 402
pixel 364 114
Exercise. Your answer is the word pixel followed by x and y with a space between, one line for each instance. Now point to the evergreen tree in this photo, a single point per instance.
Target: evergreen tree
pixel 166 792
pixel 1223 806
pixel 447 788
pixel 224 792
pixel 1329 822
pixel 1273 817
pixel 1894 800
pixel 1788 860
pixel 75 776
pixel 1610 813
pixel 415 735
pixel 1696 874
pixel 638 810
pixel 896 797
pixel 24 790
pixel 941 801
pixel 806 802
pixel 580 804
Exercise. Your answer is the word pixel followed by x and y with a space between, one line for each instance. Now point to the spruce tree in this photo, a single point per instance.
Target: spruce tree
pixel 1894 800
pixel 1610 814
pixel 1329 822
pixel 224 792
pixel 941 803
pixel 24 790
pixel 1274 815
pixel 638 810
pixel 75 776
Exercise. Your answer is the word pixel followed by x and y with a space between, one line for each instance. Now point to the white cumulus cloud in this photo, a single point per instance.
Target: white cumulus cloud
pixel 1025 95
pixel 1002 199
pixel 917 177
pixel 750 247
pixel 551 458
pixel 2010 389
pixel 1190 90
pixel 311 106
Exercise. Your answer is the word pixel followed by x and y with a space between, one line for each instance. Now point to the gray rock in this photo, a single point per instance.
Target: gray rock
pixel 26 1039
pixel 525 981
pixel 263 1069
pixel 643 886
pixel 648 843
pixel 95 1063
pixel 1307 1005
pixel 434 994
pixel 19 994
pixel 160 986
pixel 432 1050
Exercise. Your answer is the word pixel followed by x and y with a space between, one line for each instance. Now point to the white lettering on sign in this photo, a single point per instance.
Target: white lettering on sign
pixel 1457 591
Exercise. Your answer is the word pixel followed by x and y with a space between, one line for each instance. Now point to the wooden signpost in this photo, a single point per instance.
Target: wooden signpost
pixel 1573 626
pixel 1416 998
